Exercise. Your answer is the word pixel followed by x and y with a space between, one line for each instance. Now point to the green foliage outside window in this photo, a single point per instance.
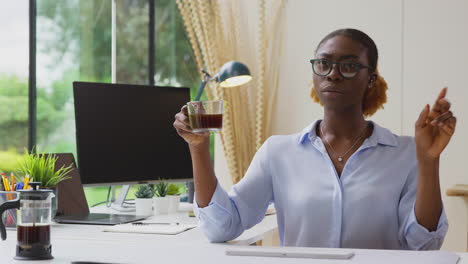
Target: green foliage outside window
pixel 14 118
pixel 75 37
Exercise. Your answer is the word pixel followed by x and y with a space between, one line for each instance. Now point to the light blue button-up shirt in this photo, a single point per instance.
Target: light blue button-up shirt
pixel 370 206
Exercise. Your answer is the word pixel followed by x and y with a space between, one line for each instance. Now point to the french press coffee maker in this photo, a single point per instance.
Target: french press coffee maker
pixel 33 222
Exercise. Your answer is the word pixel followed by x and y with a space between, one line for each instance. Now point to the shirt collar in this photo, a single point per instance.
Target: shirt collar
pixel 379 135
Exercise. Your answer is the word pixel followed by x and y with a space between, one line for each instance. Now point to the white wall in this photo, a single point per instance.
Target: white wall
pixel 307 23
pixel 436 54
pixel 423 47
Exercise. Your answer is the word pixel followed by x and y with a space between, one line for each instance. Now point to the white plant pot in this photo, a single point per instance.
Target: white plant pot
pixel 174 201
pixel 160 205
pixel 144 206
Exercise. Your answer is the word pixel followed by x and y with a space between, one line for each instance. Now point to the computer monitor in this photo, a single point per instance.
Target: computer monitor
pixel 125 135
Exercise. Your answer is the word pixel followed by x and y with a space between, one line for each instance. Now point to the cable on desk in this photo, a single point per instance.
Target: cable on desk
pixel 129 201
pixel 96 204
pixel 107 201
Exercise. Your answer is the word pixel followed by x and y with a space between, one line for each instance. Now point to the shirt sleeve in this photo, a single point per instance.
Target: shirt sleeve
pixel 228 215
pixel 412 234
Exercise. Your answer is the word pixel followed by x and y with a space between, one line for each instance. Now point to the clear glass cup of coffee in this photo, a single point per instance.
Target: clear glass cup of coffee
pixel 205 115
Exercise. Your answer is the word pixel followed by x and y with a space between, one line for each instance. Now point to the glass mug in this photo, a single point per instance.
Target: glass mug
pixel 34 217
pixel 205 115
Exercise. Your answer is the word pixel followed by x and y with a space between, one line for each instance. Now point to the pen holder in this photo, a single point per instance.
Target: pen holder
pixel 9 216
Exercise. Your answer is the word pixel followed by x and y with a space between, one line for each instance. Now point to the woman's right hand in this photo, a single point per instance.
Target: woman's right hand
pixel 182 126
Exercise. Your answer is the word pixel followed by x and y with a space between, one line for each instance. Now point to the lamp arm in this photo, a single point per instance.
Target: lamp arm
pixel 206 79
pixel 200 90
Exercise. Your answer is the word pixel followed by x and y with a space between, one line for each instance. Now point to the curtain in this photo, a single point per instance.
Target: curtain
pixel 248 31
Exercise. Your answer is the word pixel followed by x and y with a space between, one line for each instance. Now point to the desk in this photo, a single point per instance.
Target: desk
pixel 460 190
pixel 89 243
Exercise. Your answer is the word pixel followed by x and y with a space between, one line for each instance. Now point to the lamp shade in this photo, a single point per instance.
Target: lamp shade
pixel 233 73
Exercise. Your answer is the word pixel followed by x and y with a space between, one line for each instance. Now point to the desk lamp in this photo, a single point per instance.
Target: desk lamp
pixel 232 73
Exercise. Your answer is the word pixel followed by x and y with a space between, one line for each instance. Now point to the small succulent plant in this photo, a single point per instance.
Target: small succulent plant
pixel 160 189
pixel 144 191
pixel 173 189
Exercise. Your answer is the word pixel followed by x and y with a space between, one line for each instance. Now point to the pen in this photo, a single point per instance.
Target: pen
pixel 3 182
pixel 6 185
pixel 12 179
pixel 147 223
pixel 26 181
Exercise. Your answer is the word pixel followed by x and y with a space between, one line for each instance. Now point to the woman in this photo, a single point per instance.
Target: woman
pixel 343 181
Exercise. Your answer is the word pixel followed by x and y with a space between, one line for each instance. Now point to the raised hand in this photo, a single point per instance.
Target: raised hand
pixel 434 128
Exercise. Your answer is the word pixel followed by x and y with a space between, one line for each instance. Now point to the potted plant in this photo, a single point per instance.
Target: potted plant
pixel 144 201
pixel 160 201
pixel 41 168
pixel 173 194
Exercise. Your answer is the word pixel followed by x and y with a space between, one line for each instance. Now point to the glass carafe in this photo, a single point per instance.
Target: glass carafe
pixel 33 223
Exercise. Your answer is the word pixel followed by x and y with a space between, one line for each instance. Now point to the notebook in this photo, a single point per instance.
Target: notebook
pixel 150 228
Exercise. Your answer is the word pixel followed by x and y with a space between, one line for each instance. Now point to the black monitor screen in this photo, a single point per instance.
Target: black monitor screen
pixel 124 133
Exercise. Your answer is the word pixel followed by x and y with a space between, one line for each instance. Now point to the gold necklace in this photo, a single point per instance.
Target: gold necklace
pixel 340 157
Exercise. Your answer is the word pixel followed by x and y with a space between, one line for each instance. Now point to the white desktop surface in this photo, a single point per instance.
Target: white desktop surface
pixel 90 243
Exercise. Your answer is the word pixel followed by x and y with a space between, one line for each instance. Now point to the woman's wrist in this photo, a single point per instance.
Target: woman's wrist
pixel 428 169
pixel 426 160
pixel 200 147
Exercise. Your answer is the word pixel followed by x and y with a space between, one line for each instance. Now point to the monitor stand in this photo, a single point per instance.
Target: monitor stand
pixel 119 204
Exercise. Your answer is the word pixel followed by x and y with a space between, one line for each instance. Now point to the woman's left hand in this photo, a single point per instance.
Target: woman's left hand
pixel 434 128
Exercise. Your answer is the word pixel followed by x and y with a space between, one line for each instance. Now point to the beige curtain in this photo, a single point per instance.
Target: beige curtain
pixel 248 31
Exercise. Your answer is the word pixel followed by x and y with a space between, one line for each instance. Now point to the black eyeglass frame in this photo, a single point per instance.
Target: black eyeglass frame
pixel 358 65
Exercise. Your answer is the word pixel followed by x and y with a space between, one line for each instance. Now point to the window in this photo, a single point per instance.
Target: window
pixel 13 82
pixel 74 42
pixel 175 62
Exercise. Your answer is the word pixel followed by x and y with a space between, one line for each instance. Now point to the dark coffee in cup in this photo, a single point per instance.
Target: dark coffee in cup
pixel 206 121
pixel 205 115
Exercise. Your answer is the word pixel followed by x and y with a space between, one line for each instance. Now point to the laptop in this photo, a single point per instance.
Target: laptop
pixel 98 219
pixel 72 207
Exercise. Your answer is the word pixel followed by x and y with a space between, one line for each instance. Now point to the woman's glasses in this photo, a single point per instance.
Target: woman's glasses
pixel 323 67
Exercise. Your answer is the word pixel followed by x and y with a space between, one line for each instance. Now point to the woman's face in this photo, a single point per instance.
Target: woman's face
pixel 333 90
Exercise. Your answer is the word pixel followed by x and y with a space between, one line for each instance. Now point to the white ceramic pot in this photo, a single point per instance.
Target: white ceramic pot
pixel 174 201
pixel 144 206
pixel 160 205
